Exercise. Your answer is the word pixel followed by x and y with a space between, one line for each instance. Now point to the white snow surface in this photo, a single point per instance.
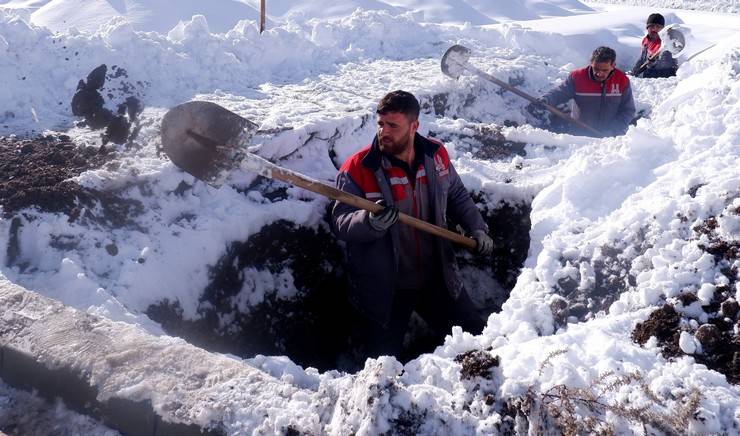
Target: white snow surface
pixel 729 6
pixel 222 15
pixel 590 197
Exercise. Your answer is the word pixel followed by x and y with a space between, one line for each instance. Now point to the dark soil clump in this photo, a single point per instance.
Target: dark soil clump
pixel 90 104
pixel 34 173
pixel 582 301
pixel 663 324
pixel 719 338
pixel 722 354
pixel 720 343
pixel 476 363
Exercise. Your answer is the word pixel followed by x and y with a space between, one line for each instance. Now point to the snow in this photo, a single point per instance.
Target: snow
pixel 150 15
pixel 686 342
pixel 318 71
pixel 728 6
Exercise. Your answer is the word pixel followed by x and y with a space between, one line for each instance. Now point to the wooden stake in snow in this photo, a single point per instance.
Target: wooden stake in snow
pixel 262 16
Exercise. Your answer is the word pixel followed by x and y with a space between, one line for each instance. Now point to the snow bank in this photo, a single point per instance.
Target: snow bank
pixel 727 6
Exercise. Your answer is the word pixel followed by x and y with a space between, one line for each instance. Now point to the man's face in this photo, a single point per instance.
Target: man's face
pixel 602 70
pixel 653 29
pixel 395 132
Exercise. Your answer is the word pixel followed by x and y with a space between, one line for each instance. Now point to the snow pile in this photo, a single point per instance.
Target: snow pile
pixel 727 6
pixel 150 15
pixel 162 15
pixel 620 226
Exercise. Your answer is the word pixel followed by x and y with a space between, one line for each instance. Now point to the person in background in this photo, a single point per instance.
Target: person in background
pixel 652 61
pixel 396 269
pixel 601 94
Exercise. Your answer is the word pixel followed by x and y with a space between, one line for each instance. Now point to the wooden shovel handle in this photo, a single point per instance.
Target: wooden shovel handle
pixel 526 96
pixel 272 171
pixel 650 59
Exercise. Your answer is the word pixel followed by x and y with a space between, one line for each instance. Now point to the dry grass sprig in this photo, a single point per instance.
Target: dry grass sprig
pixel 575 410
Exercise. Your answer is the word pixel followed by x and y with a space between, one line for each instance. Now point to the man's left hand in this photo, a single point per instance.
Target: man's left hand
pixel 484 246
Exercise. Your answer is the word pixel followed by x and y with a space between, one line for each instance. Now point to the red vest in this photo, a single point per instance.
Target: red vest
pixel 653 47
pixel 585 86
pixel 401 187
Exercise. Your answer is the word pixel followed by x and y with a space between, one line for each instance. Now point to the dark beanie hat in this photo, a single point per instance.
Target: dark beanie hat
pixel 655 19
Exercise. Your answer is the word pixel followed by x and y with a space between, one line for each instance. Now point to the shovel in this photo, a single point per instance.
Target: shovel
pixel 673 41
pixel 208 141
pixel 455 62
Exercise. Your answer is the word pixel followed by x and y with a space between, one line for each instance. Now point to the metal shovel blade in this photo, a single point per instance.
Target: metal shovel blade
pixel 201 138
pixel 673 39
pixel 454 61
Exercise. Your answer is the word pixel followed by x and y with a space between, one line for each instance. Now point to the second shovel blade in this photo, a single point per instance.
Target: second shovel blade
pixel 454 61
pixel 201 138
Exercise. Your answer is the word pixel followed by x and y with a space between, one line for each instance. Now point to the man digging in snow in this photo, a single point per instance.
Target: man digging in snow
pixel 601 94
pixel 653 62
pixel 394 268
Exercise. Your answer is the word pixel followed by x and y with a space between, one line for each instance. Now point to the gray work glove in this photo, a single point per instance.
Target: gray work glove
pixel 385 218
pixel 484 242
pixel 538 110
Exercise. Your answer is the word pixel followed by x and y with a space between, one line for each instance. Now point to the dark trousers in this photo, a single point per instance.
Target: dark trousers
pixel 433 304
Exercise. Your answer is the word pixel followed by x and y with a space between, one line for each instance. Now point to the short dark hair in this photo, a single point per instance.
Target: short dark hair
pixel 399 101
pixel 604 54
pixel 655 19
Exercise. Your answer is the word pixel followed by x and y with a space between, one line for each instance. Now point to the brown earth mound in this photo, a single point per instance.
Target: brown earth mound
pixel 35 173
pixel 719 339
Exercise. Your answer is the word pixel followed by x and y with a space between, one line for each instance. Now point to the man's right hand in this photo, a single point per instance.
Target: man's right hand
pixel 537 109
pixel 383 219
pixel 484 246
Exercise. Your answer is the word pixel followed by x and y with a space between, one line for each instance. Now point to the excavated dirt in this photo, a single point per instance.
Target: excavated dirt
pixel 34 173
pixel 476 363
pixel 89 103
pixel 611 278
pixel 719 339
pixel 663 324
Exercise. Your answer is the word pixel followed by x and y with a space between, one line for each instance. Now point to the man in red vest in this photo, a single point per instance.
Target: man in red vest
pixel 396 269
pixel 653 62
pixel 601 94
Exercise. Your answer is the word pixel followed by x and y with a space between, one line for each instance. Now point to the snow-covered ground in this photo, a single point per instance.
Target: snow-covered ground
pixel 729 6
pixel 619 225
